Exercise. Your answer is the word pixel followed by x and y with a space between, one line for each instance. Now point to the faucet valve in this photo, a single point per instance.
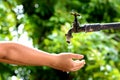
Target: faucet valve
pixel 74 28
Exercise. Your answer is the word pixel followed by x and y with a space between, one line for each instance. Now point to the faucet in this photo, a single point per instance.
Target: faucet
pixel 74 28
pixel 88 27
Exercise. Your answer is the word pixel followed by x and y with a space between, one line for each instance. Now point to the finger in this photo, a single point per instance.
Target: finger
pixel 78 65
pixel 78 62
pixel 76 56
pixel 77 68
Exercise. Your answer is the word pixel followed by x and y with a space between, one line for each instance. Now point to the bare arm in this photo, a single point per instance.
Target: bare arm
pixel 15 53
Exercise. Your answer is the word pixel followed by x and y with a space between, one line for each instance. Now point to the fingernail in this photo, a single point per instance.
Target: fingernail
pixel 82 56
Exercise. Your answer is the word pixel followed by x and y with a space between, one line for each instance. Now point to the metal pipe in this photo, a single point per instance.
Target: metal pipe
pixel 98 27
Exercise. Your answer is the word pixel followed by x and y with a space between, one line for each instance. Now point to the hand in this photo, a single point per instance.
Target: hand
pixel 65 62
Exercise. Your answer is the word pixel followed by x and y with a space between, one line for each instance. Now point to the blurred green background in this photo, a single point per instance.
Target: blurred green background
pixel 43 24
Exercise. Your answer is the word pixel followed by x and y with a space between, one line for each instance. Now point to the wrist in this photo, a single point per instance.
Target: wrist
pixel 52 60
pixel 3 50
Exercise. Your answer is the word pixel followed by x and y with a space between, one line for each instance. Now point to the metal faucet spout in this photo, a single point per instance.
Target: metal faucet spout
pixel 68 36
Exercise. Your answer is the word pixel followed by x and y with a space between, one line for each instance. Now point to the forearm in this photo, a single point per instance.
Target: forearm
pixel 18 53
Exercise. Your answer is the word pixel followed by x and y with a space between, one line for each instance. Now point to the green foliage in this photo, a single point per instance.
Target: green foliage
pixel 47 21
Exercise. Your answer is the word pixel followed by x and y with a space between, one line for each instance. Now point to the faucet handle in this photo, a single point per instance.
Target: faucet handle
pixel 75 14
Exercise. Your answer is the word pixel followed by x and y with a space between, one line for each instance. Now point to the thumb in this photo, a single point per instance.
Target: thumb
pixel 76 56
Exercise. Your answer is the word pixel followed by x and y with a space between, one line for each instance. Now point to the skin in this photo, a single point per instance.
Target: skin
pixel 14 53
